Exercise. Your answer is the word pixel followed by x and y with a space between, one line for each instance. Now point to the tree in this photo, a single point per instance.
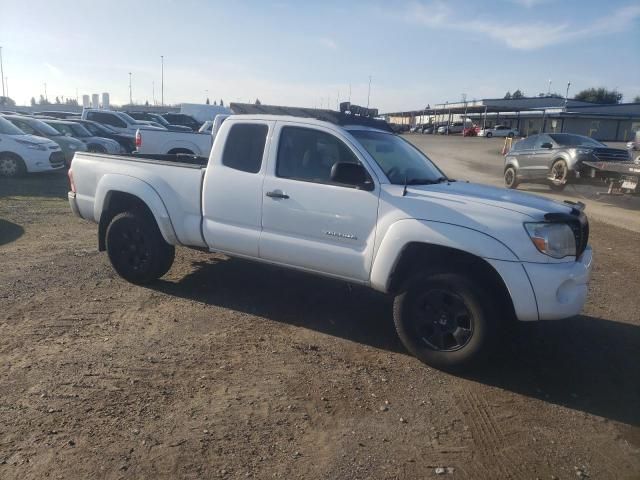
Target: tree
pixel 33 101
pixel 636 99
pixel 208 102
pixel 57 101
pixel 71 101
pixel 215 103
pixel 257 102
pixel 43 101
pixel 517 94
pixel 221 103
pixel 507 96
pixel 146 103
pixel 7 102
pixel 599 95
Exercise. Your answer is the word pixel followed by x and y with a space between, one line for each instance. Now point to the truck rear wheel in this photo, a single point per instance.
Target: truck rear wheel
pixel 446 321
pixel 136 248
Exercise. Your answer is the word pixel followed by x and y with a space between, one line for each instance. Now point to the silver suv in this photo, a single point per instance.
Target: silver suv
pixel 555 158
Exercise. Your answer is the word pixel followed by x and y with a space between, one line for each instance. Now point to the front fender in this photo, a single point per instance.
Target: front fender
pixel 408 231
pixel 112 183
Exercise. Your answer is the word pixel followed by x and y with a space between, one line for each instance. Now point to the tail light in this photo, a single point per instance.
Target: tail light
pixel 71 182
pixel 138 139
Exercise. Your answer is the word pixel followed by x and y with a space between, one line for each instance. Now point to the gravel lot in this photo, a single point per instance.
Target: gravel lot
pixel 227 369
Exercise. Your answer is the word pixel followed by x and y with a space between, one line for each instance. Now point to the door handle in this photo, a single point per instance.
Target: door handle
pixel 277 194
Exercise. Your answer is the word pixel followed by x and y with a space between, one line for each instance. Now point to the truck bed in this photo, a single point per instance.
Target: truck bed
pixel 177 159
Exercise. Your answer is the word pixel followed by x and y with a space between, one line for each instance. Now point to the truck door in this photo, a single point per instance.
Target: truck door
pixel 232 188
pixel 309 221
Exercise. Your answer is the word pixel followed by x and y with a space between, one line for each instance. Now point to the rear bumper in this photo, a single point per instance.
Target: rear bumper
pixel 73 203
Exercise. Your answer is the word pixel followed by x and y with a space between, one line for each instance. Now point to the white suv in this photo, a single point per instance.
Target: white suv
pixel 21 153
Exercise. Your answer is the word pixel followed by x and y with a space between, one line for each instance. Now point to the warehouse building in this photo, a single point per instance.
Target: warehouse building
pixel 617 122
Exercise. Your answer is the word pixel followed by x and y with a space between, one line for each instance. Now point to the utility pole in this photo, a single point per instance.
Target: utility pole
pixel 130 96
pixel 2 73
pixel 549 89
pixel 566 96
pixel 162 80
pixel 369 92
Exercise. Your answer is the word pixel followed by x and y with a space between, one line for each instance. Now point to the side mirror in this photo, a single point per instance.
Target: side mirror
pixel 351 174
pixel 547 145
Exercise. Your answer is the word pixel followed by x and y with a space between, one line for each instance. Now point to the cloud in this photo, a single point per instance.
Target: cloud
pixel 328 42
pixel 523 36
pixel 528 3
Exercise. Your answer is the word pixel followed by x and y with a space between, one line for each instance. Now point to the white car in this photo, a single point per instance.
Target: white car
pixel 456 127
pixel 499 131
pixel 353 202
pixel 21 153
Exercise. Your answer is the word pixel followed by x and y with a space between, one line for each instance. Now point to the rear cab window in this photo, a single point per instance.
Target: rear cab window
pixel 244 147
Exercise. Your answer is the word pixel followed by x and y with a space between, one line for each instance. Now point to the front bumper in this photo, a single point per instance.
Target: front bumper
pixel 546 291
pixel 561 288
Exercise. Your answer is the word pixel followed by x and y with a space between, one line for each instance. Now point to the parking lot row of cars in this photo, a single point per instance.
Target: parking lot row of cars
pixel 469 130
pixel 47 141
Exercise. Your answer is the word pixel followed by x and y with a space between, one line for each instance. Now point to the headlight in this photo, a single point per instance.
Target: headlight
pixel 582 151
pixel 554 239
pixel 33 146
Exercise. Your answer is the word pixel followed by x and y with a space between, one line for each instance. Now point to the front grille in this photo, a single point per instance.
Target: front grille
pixel 56 159
pixel 610 154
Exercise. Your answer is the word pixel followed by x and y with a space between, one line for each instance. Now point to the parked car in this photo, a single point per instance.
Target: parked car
pixel 166 142
pixel 427 129
pixel 182 119
pixel 126 140
pixel 555 158
pixel 55 114
pixel 471 131
pixel 94 143
pixel 34 126
pixel 455 127
pixel 21 153
pixel 119 121
pixel 358 204
pixel 159 119
pixel 498 131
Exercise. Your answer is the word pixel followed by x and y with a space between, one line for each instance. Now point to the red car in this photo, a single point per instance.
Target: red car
pixel 471 131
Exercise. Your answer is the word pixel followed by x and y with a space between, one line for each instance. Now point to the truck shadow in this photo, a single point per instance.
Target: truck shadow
pixel 585 363
pixel 9 232
pixel 52 185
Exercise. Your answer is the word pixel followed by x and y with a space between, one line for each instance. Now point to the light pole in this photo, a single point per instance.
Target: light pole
pixel 549 89
pixel 566 96
pixel 2 73
pixel 162 80
pixel 130 95
pixel 369 92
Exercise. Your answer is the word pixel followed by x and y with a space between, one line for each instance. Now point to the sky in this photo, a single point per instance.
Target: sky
pixel 313 54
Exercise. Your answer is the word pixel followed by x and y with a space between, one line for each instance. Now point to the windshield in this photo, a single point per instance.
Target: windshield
pixel 42 127
pixel 128 118
pixel 8 128
pixel 80 131
pixel 159 119
pixel 575 140
pixel 401 162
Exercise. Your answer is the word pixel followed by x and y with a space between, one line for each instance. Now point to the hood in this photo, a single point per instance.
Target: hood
pixel 37 140
pixel 69 142
pixel 528 204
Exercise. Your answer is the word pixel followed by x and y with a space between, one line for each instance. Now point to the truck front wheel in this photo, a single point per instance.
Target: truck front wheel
pixel 445 321
pixel 136 249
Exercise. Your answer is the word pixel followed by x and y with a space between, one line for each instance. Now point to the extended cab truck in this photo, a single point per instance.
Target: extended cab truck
pixel 355 203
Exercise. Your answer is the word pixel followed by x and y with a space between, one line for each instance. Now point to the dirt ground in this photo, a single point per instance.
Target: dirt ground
pixel 228 369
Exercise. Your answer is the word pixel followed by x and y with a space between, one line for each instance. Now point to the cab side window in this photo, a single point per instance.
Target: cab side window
pixel 306 154
pixel 244 147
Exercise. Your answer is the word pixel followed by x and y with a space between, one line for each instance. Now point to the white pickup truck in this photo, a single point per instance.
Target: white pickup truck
pixel 170 142
pixel 352 202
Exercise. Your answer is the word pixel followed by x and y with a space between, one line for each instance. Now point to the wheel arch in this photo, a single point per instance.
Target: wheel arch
pixel 116 195
pixel 439 258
